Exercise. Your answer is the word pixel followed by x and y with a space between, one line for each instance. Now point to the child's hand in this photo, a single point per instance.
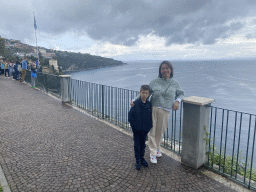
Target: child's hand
pixel 132 104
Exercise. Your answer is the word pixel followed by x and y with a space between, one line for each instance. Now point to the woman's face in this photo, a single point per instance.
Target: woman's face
pixel 165 71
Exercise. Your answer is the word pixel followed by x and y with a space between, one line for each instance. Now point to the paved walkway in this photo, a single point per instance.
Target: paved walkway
pixel 48 146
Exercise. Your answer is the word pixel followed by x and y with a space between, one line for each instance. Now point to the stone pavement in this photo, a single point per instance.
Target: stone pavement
pixel 49 146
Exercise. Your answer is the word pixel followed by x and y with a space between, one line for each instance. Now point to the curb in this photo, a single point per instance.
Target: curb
pixel 3 181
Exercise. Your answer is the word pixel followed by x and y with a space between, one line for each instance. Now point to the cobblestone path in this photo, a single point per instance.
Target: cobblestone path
pixel 48 146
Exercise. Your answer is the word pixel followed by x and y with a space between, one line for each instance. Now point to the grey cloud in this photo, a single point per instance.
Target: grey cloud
pixel 250 36
pixel 236 26
pixel 123 21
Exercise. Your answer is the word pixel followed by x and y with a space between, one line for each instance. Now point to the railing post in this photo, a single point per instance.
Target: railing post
pixel 65 88
pixel 46 82
pixel 195 120
pixel 102 100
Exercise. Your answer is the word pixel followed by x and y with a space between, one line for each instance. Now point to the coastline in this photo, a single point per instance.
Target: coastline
pixel 66 72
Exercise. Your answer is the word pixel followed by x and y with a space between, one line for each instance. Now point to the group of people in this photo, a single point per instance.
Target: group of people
pixel 18 70
pixel 150 117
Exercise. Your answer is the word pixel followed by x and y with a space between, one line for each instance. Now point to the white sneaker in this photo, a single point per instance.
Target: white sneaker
pixel 153 159
pixel 159 153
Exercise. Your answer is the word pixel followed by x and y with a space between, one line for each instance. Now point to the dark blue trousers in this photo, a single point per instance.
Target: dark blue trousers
pixel 17 75
pixel 7 71
pixel 139 138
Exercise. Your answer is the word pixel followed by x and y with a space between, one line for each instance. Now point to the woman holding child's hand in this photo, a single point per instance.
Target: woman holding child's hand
pixel 166 95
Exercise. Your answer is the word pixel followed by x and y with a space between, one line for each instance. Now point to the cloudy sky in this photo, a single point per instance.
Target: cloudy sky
pixel 136 29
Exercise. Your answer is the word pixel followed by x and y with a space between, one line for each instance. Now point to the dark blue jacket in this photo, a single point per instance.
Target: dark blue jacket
pixel 15 67
pixel 140 116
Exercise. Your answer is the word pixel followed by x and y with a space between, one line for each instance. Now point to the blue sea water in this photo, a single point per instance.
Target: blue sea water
pixel 232 83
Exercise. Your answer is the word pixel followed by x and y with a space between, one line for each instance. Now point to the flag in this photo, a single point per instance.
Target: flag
pixel 35 22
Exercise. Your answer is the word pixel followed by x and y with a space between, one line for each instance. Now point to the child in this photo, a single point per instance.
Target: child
pixel 33 75
pixel 140 118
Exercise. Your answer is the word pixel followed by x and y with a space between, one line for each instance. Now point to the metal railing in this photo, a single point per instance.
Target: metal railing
pixel 231 141
pixel 28 76
pixel 113 104
pixel 173 136
pixel 106 102
pixel 47 82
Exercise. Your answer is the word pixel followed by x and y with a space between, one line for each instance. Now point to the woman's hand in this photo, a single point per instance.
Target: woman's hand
pixel 176 105
pixel 132 104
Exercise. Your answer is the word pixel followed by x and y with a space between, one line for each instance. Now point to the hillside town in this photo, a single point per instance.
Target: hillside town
pixel 52 61
pixel 18 51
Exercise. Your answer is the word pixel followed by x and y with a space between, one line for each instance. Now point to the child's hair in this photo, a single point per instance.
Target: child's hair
pixel 144 87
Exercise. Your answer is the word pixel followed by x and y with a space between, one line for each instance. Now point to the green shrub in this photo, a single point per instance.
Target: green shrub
pixel 227 164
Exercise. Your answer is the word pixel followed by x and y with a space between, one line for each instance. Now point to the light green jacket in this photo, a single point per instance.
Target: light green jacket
pixel 165 92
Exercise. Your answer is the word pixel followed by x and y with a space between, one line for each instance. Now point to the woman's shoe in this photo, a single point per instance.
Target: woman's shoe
pixel 153 159
pixel 159 153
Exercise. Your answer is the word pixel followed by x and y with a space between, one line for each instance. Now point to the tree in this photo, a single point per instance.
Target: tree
pixel 43 61
pixel 2 47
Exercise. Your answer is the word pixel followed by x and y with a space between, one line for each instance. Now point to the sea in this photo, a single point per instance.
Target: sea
pixel 231 83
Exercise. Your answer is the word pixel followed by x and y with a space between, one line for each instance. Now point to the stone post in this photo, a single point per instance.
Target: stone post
pixel 195 119
pixel 65 88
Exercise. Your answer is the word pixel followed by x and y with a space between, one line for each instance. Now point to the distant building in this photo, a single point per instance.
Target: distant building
pixel 54 63
pixel 18 45
pixel 48 55
pixel 15 41
pixel 31 54
pixel 42 51
pixel 45 54
pixel 19 54
pixel 8 44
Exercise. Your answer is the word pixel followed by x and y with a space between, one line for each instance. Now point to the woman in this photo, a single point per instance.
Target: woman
pixel 166 94
pixel 10 68
pixel 16 70
pixel 6 68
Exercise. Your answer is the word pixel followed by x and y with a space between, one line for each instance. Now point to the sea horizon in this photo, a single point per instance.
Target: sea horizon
pixel 216 79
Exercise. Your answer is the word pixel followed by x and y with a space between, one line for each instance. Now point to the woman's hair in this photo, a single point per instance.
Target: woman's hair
pixel 169 65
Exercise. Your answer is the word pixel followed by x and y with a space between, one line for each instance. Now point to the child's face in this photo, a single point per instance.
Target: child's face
pixel 144 94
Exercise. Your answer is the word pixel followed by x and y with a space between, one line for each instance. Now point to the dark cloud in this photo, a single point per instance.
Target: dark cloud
pixel 123 21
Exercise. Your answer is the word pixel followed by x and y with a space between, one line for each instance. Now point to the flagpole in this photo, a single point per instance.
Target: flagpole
pixel 36 37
